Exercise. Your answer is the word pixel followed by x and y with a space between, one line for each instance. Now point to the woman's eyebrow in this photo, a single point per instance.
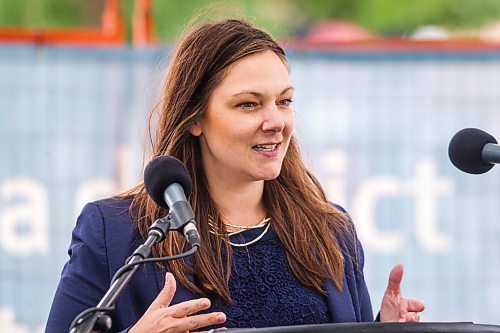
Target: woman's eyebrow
pixel 258 94
pixel 248 92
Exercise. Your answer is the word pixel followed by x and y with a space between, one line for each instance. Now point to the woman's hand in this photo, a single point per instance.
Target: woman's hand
pixel 396 308
pixel 178 318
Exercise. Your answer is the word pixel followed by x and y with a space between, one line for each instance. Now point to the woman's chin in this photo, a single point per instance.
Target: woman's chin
pixel 269 175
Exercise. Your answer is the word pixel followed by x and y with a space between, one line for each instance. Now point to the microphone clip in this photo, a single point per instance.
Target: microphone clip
pixel 180 218
pixel 160 228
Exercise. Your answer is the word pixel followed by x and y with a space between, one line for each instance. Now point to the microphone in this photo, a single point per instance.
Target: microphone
pixel 474 151
pixel 168 183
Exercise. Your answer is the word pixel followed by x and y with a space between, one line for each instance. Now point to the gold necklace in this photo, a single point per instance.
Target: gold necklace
pixel 264 222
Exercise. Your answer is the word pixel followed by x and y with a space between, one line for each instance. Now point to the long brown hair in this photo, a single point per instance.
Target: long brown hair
pixel 304 221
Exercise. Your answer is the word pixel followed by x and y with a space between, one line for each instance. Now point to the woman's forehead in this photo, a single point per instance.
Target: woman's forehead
pixel 259 72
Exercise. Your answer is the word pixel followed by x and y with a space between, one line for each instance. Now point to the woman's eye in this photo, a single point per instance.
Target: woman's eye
pixel 285 102
pixel 247 105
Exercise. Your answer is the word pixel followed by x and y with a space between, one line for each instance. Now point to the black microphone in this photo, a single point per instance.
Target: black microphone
pixel 168 183
pixel 474 151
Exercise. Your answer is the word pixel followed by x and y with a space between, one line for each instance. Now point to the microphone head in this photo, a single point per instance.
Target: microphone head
pixel 465 150
pixel 163 171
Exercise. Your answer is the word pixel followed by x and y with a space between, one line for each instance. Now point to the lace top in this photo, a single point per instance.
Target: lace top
pixel 264 290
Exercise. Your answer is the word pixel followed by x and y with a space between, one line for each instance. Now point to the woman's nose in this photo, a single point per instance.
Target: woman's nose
pixel 273 120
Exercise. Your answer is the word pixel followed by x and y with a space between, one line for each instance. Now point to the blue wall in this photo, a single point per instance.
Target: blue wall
pixel 374 127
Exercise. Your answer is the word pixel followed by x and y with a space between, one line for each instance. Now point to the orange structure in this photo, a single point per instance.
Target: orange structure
pixel 142 23
pixel 110 33
pixel 338 36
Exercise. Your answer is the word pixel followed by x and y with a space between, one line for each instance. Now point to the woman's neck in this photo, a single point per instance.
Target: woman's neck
pixel 240 204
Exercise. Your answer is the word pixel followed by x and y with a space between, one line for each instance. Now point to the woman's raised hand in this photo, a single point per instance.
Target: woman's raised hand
pixel 396 308
pixel 178 318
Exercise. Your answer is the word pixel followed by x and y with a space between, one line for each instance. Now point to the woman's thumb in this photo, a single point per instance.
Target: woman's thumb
pixel 166 294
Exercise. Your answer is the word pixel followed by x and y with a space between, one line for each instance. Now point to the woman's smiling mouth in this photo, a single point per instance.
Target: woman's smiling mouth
pixel 267 149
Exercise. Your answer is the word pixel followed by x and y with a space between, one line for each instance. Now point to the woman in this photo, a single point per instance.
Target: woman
pixel 274 251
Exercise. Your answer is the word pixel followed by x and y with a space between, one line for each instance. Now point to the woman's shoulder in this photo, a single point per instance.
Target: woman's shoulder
pixel 106 218
pixel 113 205
pixel 338 207
pixel 109 208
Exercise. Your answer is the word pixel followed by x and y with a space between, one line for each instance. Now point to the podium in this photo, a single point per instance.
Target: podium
pixel 430 327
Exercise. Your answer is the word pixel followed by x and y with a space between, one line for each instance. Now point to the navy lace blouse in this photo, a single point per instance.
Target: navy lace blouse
pixel 264 290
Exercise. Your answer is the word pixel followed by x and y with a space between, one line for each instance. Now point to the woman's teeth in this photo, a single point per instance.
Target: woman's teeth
pixel 265 147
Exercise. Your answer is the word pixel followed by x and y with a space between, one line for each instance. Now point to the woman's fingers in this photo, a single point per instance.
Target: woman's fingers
pixel 195 322
pixel 415 305
pixel 412 317
pixel 166 294
pixel 187 308
pixel 186 320
pixel 178 318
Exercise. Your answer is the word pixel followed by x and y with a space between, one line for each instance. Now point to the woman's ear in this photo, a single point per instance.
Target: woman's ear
pixel 195 129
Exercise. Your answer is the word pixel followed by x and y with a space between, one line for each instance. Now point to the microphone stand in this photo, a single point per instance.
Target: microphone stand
pixel 95 319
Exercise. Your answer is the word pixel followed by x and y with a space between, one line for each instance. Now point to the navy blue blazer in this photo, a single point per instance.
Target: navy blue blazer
pixel 105 236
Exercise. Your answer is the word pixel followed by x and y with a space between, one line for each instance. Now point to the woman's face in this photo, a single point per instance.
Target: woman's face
pixel 246 129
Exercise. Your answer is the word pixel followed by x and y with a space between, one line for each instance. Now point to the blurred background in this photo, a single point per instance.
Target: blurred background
pixel 381 87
